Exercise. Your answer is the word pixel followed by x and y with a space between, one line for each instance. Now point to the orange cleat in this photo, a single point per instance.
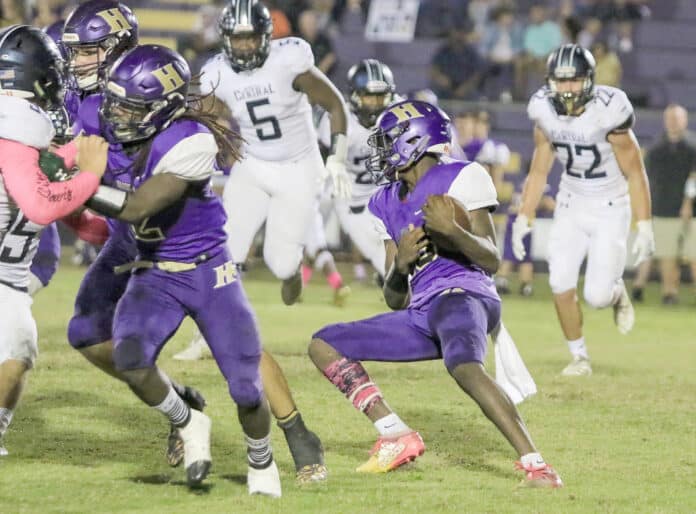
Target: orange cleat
pixel 544 476
pixel 389 453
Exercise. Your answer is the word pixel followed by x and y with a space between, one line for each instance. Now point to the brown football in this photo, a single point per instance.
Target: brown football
pixel 461 215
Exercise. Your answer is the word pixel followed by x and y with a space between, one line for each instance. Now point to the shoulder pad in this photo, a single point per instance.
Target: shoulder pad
pixel 24 122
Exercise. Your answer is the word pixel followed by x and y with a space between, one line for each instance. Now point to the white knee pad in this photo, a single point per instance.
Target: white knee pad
pixel 562 282
pixel 17 327
pixel 598 297
pixel 282 259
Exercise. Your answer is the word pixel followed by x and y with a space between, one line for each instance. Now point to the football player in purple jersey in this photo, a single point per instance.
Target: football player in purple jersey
pixel 183 267
pixel 94 36
pixel 439 284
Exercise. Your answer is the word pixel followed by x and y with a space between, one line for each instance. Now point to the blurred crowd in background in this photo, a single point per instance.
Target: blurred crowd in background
pixel 491 49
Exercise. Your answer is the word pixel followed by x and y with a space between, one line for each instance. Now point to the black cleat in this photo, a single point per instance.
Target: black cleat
pixel 197 472
pixel 637 295
pixel 306 450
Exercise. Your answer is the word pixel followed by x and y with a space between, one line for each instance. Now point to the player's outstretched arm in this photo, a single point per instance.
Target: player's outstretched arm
pixel 41 201
pixel 155 194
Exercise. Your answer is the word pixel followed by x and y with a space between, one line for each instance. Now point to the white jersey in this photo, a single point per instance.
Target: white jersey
pixel 23 122
pixel 275 120
pixel 581 142
pixel 358 152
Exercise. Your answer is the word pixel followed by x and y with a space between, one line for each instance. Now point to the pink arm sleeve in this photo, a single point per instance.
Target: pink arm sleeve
pixel 88 227
pixel 68 152
pixel 41 201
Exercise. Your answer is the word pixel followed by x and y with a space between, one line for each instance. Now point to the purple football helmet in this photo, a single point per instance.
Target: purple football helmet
pixel 146 90
pixel 55 32
pixel 405 132
pixel 95 34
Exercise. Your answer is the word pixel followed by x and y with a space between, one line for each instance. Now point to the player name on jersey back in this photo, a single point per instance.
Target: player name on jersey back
pixel 275 119
pixel 580 142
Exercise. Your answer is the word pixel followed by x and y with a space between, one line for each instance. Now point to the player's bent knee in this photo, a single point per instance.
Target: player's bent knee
pixel 283 263
pixel 84 331
pixel 20 349
pixel 464 350
pixel 245 392
pixel 561 285
pixel 598 298
pixel 130 354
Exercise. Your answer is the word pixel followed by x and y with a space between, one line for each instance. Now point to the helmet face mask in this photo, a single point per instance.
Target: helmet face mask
pixel 245 28
pixel 88 64
pixel 570 78
pixel 146 92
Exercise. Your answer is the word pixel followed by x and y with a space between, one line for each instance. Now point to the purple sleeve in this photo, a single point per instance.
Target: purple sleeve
pixel 377 206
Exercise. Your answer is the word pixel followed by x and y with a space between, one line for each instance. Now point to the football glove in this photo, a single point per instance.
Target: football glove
pixel 520 228
pixel 644 244
pixel 53 167
pixel 335 168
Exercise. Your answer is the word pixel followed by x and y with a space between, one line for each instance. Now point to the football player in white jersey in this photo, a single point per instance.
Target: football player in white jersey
pixel 588 128
pixel 371 90
pixel 30 78
pixel 268 87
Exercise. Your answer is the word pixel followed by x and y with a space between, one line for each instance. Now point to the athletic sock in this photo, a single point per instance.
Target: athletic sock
pixel 174 408
pixel 533 461
pixel 259 452
pixel 5 419
pixel 578 348
pixel 335 280
pixel 391 425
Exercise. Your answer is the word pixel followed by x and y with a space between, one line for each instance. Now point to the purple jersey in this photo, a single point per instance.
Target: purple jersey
pixel 72 102
pixel 468 183
pixel 193 225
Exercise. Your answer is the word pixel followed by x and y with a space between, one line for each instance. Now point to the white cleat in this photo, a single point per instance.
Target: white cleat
pixel 264 481
pixel 3 450
pixel 196 350
pixel 624 315
pixel 579 367
pixel 196 437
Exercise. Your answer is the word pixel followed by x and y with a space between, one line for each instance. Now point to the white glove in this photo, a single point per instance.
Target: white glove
pixel 520 228
pixel 336 167
pixel 340 179
pixel 644 244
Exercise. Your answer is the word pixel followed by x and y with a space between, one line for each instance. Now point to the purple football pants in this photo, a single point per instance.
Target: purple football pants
pixel 45 262
pixel 156 302
pixel 453 326
pixel 100 291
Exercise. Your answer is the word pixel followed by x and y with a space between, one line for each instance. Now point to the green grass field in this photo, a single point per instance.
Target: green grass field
pixel 623 440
